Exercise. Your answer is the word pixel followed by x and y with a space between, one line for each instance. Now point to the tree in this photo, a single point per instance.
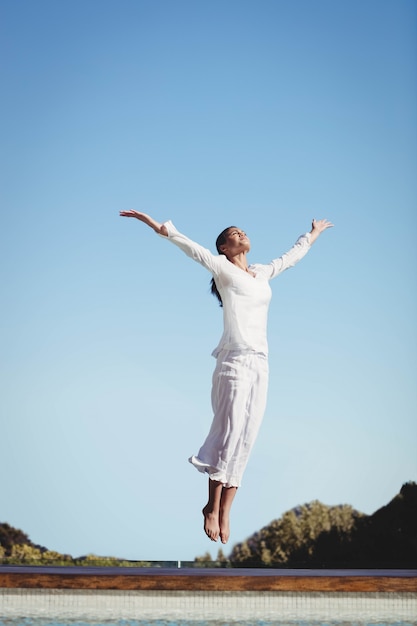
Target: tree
pixel 290 540
pixel 10 536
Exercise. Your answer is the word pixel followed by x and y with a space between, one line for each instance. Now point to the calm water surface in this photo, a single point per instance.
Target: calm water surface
pixel 41 622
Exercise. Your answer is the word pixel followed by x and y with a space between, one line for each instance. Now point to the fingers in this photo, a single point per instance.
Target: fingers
pixel 322 224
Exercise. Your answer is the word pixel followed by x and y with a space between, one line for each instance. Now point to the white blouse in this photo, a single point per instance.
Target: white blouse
pixel 245 297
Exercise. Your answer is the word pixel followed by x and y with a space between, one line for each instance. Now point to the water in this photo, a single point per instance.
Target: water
pixel 61 607
pixel 43 622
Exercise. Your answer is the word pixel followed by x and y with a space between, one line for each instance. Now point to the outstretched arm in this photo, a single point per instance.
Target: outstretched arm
pixel 318 226
pixel 146 219
pixel 299 249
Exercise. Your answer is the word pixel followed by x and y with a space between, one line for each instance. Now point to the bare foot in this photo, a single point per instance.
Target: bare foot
pixel 224 526
pixel 211 524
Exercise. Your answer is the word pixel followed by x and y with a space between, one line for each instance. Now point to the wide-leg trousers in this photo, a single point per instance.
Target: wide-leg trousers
pixel 240 384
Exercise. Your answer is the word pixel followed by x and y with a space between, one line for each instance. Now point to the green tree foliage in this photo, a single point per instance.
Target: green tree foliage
pixel 17 549
pixel 222 559
pixel 10 536
pixel 318 536
pixel 108 561
pixel 386 539
pixel 291 538
pixel 206 561
pixel 23 553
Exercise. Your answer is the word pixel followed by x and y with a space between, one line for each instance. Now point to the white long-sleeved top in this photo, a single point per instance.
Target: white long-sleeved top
pixel 245 297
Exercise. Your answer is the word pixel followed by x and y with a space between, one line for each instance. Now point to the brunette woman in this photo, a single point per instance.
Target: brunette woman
pixel 240 379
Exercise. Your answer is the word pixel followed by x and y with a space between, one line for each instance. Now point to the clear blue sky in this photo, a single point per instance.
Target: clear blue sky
pixel 259 113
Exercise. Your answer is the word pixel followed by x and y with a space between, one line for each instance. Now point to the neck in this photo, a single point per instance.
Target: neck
pixel 240 261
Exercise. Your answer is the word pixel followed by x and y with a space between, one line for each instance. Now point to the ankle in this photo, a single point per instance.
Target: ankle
pixel 209 510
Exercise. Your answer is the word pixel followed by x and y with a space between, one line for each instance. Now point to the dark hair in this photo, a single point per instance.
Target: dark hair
pixel 220 241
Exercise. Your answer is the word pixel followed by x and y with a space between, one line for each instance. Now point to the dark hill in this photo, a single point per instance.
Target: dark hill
pixel 318 536
pixel 385 539
pixel 10 537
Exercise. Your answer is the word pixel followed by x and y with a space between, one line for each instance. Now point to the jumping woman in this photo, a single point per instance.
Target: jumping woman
pixel 240 379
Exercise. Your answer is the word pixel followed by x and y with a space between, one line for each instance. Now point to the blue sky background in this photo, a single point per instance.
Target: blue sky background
pixel 259 113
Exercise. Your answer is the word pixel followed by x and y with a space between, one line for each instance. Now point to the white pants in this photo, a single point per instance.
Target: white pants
pixel 240 383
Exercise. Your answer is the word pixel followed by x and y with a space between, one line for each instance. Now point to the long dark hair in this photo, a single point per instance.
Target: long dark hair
pixel 220 241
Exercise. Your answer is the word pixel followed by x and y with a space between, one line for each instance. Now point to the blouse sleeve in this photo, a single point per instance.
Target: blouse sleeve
pixel 290 258
pixel 192 249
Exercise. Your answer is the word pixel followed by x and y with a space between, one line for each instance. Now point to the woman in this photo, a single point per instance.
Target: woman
pixel 240 378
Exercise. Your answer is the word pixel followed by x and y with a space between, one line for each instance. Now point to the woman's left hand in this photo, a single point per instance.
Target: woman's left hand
pixel 317 227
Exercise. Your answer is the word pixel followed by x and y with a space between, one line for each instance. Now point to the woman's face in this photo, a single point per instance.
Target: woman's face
pixel 236 242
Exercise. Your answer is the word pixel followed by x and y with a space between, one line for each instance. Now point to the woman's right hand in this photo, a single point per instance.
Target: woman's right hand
pixel 146 219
